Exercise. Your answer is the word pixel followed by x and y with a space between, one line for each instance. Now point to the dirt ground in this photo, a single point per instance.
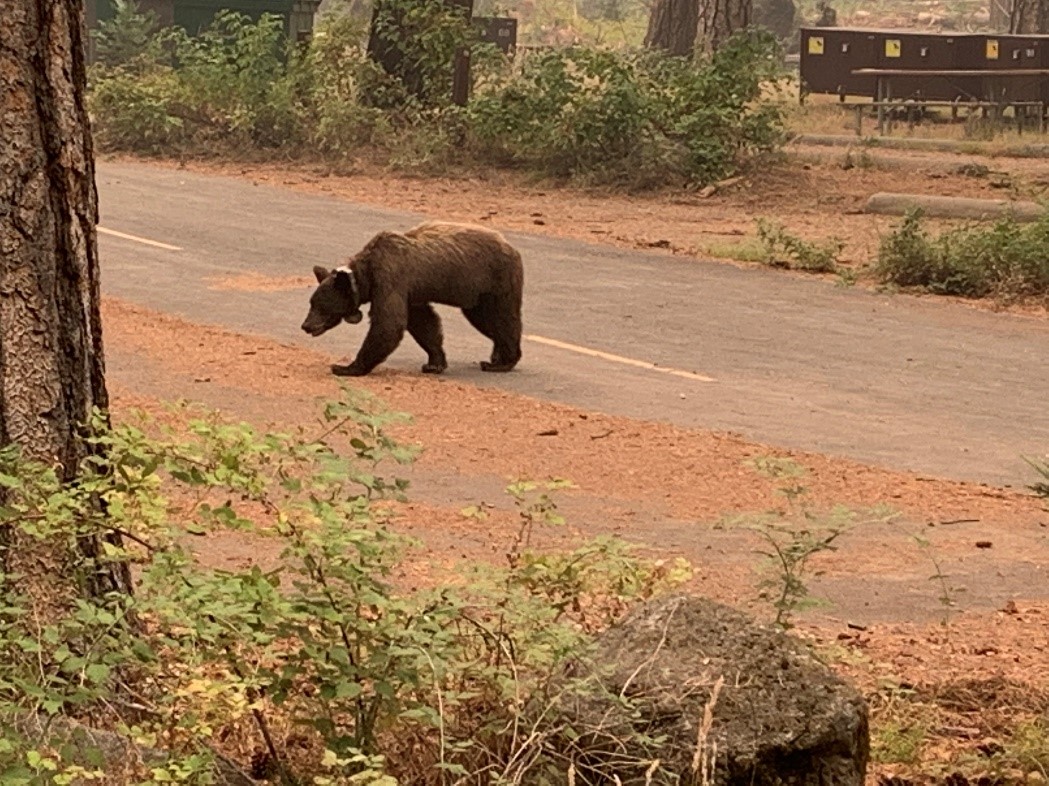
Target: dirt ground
pixel 955 667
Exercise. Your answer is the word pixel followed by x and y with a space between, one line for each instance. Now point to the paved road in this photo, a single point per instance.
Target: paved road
pixel 911 384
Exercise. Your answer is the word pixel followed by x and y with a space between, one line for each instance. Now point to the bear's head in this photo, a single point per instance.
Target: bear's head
pixel 335 299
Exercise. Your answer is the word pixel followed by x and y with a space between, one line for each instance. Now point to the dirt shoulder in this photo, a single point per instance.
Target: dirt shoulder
pixel 665 487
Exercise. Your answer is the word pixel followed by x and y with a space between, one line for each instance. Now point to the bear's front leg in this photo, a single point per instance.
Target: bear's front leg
pixel 389 320
pixel 343 369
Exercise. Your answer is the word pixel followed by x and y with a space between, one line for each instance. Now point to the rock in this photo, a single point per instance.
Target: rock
pixel 765 709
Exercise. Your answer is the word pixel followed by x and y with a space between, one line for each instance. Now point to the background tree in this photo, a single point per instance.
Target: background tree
pixel 51 359
pixel 682 26
pixel 720 19
pixel 672 26
pixel 1019 16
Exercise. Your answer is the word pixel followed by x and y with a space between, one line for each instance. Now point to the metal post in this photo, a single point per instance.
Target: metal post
pixel 880 92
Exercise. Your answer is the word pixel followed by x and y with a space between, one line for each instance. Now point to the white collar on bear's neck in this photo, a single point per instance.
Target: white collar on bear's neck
pixel 353 283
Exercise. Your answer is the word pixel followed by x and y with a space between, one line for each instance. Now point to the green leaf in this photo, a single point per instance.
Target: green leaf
pixel 98 673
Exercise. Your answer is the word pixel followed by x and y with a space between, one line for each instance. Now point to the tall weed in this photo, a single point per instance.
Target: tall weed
pixel 1006 260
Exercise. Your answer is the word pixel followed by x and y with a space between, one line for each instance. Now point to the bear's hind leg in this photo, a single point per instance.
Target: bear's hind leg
pixel 425 327
pixel 500 320
pixel 478 317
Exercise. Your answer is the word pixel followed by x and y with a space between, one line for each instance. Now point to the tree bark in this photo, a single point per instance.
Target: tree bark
pixel 680 27
pixel 672 26
pixel 720 19
pixel 51 361
pixel 1020 16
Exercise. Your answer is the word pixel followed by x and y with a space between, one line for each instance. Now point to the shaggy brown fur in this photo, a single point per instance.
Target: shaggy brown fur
pixel 401 275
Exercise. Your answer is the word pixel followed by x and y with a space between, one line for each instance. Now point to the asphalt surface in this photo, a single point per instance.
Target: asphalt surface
pixel 915 384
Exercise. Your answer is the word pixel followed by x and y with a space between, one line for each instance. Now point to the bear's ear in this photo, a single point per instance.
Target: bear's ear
pixel 321 273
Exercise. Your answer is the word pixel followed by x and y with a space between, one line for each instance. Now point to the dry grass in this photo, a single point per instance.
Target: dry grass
pixel 972 729
pixel 826 115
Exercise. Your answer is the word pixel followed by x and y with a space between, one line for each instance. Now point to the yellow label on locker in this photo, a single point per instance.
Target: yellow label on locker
pixel 892 47
pixel 816 45
pixel 992 50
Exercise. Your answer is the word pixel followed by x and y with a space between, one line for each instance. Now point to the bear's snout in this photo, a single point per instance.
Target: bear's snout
pixel 314 327
pixel 320 321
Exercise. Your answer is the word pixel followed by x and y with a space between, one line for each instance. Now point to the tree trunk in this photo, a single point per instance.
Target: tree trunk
pixel 1020 16
pixel 672 26
pixel 51 361
pixel 682 26
pixel 720 19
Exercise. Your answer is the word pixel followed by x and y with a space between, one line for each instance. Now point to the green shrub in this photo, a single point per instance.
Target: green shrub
pixel 421 37
pixel 1041 466
pixel 638 118
pixel 1006 260
pixel 231 80
pixel 229 87
pixel 138 112
pixel 571 112
pixel 326 653
pixel 330 80
pixel 131 39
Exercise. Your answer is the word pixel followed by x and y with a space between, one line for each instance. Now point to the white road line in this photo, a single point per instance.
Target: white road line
pixel 596 353
pixel 138 239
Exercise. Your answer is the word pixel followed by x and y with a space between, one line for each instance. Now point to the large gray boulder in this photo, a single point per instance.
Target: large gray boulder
pixel 694 692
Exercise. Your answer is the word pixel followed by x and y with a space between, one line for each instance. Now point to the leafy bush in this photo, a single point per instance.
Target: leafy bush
pixel 1006 261
pixel 421 37
pixel 131 39
pixel 138 112
pixel 331 79
pixel 229 85
pixel 232 74
pixel 641 118
pixel 322 666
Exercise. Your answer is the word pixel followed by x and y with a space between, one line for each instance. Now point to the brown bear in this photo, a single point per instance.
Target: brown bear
pixel 400 275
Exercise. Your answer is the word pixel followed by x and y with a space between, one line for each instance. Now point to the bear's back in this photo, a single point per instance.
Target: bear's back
pixel 450 263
